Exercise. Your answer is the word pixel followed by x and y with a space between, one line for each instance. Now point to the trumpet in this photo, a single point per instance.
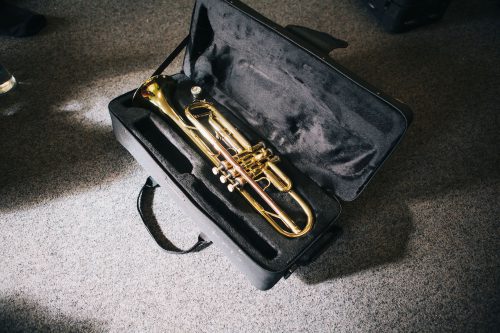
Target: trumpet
pixel 245 168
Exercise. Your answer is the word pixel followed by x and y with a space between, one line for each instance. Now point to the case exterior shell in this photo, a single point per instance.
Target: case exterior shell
pixel 259 275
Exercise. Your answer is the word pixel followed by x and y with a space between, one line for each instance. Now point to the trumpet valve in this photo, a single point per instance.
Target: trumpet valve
pixel 224 165
pixel 264 153
pixel 232 187
pixel 233 172
pixel 274 159
pixel 238 183
pixel 259 145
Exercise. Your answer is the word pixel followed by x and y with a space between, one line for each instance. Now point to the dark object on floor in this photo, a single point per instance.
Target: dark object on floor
pixel 19 22
pixel 332 131
pixel 403 15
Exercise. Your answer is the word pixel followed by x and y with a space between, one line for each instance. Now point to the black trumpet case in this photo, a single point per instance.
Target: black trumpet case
pixel 278 85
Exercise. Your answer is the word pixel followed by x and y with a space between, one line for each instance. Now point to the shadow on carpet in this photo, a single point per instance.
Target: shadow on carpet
pixel 23 315
pixel 451 147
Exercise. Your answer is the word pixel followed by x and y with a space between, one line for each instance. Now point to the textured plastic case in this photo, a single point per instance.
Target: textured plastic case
pixel 277 84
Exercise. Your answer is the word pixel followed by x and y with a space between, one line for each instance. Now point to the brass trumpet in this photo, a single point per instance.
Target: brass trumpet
pixel 238 163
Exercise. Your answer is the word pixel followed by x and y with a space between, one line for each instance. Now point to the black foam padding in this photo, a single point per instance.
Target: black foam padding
pixel 332 129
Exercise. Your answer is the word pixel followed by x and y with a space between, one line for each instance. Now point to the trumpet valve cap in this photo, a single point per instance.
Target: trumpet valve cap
pixel 195 91
pixel 223 179
pixel 232 187
pixel 215 170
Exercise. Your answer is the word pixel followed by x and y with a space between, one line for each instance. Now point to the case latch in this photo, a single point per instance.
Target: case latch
pixel 290 271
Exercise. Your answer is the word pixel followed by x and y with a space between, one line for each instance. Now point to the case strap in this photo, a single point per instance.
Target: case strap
pixel 171 56
pixel 325 42
pixel 144 207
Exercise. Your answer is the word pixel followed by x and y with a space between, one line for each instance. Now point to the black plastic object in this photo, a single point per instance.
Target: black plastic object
pixel 331 130
pixel 325 42
pixel 19 22
pixel 403 15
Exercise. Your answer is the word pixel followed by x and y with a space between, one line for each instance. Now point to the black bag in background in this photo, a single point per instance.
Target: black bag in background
pixel 19 22
pixel 403 15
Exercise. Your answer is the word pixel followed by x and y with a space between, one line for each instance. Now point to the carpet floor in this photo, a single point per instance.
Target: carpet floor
pixel 420 249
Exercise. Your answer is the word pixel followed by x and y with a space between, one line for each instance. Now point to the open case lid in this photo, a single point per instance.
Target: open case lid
pixel 329 124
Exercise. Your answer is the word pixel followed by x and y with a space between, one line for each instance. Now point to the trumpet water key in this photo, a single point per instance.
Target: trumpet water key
pixel 248 169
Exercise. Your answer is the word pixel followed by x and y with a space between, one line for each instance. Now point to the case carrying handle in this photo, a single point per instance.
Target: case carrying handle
pixel 144 207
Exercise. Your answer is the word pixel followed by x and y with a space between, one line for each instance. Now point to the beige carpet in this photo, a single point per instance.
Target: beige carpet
pixel 420 249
